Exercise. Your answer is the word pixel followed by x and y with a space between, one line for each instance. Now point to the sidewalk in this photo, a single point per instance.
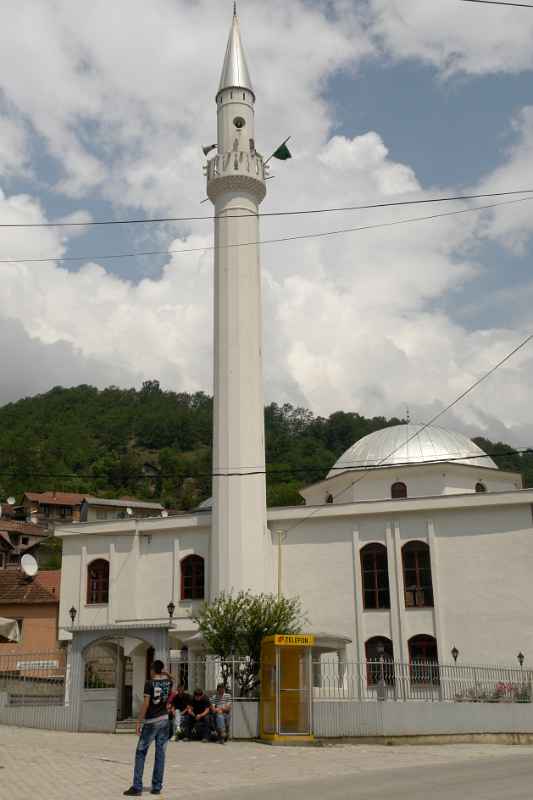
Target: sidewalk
pixel 39 765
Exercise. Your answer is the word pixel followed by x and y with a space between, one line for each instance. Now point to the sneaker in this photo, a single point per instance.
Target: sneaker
pixel 222 740
pixel 155 791
pixel 205 741
pixel 132 792
pixel 185 739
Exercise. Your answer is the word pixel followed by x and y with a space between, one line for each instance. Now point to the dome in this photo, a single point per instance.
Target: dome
pixel 396 445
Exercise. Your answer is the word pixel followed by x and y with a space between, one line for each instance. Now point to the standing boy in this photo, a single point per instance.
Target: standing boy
pixel 152 725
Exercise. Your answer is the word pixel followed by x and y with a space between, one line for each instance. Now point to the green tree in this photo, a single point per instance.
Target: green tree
pixel 235 626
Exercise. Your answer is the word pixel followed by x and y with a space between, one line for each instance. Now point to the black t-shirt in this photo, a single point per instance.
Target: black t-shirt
pixel 158 690
pixel 180 702
pixel 199 704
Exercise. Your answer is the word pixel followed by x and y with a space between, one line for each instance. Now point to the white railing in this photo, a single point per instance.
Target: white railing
pixel 421 680
pixel 237 162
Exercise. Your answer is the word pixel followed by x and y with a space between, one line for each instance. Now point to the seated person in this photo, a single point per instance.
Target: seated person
pixel 178 703
pixel 195 719
pixel 221 711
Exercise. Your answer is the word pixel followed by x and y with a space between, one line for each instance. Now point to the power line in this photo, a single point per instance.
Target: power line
pixel 444 459
pixel 160 220
pixel 292 238
pixel 431 422
pixel 499 3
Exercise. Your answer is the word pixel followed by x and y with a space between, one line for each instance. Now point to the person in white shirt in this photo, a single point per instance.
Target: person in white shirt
pixel 221 709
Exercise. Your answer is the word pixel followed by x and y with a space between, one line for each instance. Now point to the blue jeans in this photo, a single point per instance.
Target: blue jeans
pixel 159 732
pixel 222 723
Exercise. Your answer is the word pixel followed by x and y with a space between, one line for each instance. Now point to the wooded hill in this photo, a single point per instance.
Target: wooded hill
pixel 156 444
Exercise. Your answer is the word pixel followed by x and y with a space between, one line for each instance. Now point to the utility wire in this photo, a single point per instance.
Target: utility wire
pixel 499 3
pixel 431 422
pixel 293 238
pixel 443 459
pixel 142 221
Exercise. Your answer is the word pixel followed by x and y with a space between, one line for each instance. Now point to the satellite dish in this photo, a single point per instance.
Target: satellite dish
pixel 11 501
pixel 164 514
pixel 129 512
pixel 29 565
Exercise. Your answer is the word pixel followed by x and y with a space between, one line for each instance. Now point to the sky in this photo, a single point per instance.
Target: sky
pixel 103 112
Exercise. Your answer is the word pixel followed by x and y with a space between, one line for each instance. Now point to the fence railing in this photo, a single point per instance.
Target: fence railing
pixel 32 679
pixel 239 675
pixel 421 680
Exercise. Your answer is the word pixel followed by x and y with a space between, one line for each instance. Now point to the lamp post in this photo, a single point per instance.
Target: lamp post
pixel 382 686
pixel 455 654
pixel 72 614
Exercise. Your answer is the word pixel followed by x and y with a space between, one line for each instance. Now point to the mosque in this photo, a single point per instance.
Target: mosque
pixel 415 545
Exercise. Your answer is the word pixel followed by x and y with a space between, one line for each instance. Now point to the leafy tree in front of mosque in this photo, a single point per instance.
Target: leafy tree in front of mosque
pixel 233 627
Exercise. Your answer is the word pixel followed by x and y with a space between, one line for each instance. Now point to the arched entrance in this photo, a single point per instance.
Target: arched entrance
pixel 108 673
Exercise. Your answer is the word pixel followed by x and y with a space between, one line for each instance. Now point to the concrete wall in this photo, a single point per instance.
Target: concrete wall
pixel 144 572
pixel 349 718
pixel 482 559
pixel 428 480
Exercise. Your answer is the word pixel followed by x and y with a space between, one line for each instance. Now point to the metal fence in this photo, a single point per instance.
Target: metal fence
pixel 421 680
pixel 240 676
pixel 34 679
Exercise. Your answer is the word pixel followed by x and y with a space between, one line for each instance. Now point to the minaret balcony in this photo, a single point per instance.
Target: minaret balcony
pixel 237 169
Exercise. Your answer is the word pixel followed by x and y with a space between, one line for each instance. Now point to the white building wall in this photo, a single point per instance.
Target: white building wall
pixel 426 480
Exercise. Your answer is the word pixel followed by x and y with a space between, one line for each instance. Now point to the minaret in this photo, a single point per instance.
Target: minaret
pixel 240 543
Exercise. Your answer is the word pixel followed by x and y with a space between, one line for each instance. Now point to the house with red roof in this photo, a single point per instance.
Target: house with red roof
pixel 33 603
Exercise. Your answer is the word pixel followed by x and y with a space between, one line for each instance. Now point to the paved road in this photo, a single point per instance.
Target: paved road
pixel 38 765
pixel 507 779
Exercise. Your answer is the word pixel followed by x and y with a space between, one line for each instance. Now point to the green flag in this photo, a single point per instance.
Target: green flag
pixel 282 153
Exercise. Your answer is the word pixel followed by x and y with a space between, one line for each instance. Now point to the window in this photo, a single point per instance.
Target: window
pixel 380 660
pixel 101 515
pixel 3 559
pixel 20 623
pixel 480 487
pixel 398 491
pixel 13 561
pixel 192 578
pixel 417 575
pixel 25 540
pixel 375 572
pixel 424 660
pixel 65 511
pixel 98 583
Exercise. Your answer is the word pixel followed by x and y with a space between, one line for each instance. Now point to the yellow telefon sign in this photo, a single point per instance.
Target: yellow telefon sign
pixel 294 641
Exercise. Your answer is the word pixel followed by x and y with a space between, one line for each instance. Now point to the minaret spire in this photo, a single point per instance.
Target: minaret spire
pixel 235 72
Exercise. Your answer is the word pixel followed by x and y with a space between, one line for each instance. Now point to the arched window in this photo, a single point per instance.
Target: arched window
pixel 375 572
pixel 417 575
pixel 480 488
pixel 98 583
pixel 424 660
pixel 380 660
pixel 192 578
pixel 398 491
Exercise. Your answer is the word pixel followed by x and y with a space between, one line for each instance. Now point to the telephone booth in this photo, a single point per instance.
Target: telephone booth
pixel 286 709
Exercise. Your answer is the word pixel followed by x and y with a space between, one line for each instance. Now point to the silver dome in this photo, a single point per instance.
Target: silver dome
pixel 411 444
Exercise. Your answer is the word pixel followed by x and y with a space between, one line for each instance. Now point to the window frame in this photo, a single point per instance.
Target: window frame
pixel 373 665
pixel 420 592
pixel 196 580
pixel 424 671
pixel 98 595
pixel 382 595
pixel 399 494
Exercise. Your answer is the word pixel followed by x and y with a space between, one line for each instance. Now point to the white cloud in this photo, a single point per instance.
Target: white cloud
pixel 455 36
pixel 351 321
